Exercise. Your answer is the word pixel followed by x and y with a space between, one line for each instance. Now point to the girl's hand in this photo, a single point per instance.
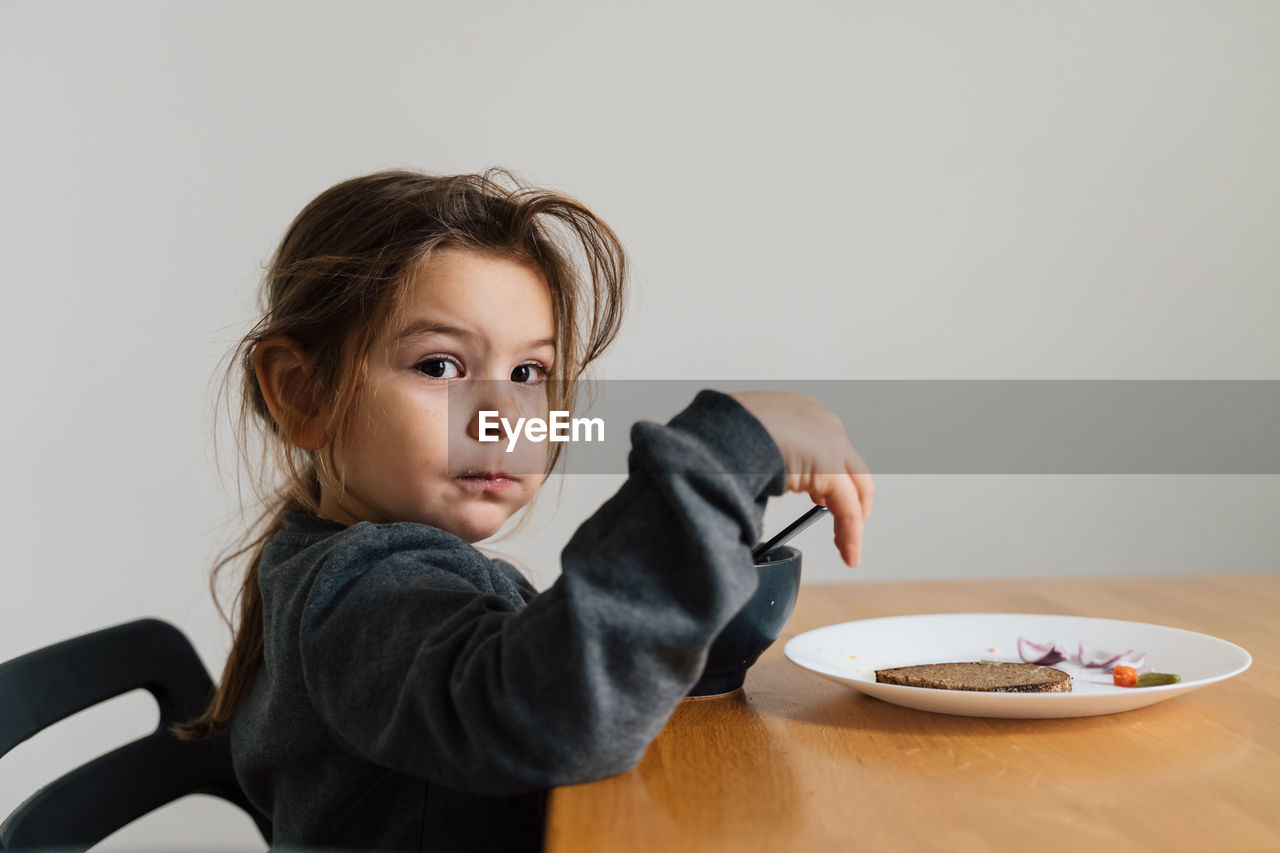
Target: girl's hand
pixel 820 460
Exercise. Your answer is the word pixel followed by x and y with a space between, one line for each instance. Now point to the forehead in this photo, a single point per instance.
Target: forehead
pixel 500 298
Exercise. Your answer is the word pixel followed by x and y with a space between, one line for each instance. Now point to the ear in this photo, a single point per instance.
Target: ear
pixel 284 375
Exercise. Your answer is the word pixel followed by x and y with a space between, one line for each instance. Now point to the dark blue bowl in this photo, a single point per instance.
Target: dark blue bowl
pixel 755 627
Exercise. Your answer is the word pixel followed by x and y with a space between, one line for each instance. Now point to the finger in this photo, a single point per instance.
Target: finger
pixel 842 500
pixel 856 464
pixel 797 483
pixel 866 487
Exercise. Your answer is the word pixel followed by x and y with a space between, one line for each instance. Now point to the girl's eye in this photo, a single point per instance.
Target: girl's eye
pixel 438 367
pixel 523 373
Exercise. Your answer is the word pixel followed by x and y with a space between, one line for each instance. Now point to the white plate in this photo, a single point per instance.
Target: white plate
pixel 851 652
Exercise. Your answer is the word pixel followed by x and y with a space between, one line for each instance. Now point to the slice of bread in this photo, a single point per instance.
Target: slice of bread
pixel 988 676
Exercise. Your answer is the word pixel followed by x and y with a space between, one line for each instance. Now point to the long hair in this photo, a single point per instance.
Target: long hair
pixel 339 274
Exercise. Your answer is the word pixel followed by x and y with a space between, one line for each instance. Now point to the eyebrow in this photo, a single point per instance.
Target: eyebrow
pixel 432 327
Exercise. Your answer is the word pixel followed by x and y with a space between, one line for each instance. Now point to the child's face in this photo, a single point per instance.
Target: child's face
pixel 415 428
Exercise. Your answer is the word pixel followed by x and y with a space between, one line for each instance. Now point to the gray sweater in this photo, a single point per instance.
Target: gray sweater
pixel 417 695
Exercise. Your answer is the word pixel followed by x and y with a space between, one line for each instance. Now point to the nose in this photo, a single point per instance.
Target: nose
pixel 508 400
pixel 494 429
pixel 482 396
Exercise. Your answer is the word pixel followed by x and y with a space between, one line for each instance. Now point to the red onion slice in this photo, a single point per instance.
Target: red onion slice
pixel 1042 654
pixel 1098 659
pixel 1137 660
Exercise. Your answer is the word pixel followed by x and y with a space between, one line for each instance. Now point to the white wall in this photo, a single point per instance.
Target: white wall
pixel 808 190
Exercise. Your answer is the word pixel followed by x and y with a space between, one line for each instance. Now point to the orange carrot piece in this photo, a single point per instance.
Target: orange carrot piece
pixel 1125 676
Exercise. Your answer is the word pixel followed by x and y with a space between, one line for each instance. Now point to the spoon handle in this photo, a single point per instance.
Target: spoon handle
pixel 790 530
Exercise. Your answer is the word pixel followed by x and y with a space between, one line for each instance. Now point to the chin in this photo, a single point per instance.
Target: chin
pixel 476 528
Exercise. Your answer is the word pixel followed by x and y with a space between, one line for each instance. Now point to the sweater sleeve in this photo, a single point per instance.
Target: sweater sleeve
pixel 417 670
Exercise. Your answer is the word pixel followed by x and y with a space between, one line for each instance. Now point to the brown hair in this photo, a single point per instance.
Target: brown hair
pixel 341 273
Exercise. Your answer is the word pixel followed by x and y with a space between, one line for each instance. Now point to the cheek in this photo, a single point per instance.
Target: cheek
pixel 425 429
pixel 403 428
pixel 532 483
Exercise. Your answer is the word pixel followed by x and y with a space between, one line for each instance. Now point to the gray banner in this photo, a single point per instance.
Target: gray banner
pixel 936 426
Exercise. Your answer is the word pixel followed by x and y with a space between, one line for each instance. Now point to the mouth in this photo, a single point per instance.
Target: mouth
pixel 490 481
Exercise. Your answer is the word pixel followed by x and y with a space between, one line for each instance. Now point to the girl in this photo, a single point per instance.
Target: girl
pixel 391 686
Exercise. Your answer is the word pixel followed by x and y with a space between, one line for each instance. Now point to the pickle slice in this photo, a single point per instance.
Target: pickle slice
pixel 1152 679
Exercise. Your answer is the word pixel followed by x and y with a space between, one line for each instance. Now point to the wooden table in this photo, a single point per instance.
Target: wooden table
pixel 797 762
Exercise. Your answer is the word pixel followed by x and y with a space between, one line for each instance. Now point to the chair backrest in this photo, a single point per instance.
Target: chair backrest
pixel 89 803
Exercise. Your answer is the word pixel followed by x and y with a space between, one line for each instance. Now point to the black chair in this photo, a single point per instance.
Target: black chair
pixel 89 803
